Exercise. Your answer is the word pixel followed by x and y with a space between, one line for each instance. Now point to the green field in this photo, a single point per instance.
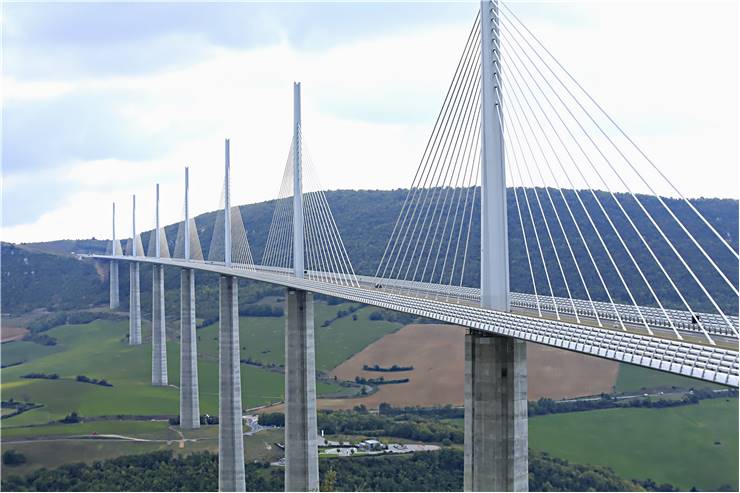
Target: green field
pixel 633 378
pixel 53 454
pixel 263 338
pixel 670 445
pixel 260 447
pixel 137 429
pixel 100 350
pixel 673 445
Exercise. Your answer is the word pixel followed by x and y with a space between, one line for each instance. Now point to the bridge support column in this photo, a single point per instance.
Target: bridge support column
pixel 496 455
pixel 230 432
pixel 159 333
pixel 189 403
pixel 301 452
pixel 134 325
pixel 115 300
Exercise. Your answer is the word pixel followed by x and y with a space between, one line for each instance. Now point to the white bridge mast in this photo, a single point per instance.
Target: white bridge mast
pixel 494 281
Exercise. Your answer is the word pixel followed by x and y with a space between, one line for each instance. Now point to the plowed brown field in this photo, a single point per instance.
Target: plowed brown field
pixel 437 354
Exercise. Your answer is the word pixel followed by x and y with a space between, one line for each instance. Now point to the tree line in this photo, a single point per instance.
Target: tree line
pixel 440 470
pixel 377 367
pixel 41 280
pixel 363 423
pixel 379 381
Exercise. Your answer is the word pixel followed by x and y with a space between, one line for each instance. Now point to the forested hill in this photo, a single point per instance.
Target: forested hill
pixel 34 276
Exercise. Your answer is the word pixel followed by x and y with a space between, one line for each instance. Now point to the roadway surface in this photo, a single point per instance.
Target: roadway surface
pixel 694 356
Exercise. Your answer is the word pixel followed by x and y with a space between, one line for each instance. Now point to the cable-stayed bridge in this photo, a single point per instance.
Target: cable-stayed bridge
pixel 610 273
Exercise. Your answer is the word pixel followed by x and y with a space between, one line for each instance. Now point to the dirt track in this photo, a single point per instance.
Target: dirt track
pixel 436 353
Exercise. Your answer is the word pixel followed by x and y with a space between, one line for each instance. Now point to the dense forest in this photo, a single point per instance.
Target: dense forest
pixel 429 471
pixel 34 276
pixel 40 280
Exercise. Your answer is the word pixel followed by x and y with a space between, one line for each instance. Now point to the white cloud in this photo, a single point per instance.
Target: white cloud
pixel 667 71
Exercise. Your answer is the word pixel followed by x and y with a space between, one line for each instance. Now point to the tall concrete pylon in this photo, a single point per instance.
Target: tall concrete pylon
pixel 230 431
pixel 134 327
pixel 159 333
pixel 496 435
pixel 115 300
pixel 301 452
pixel 189 399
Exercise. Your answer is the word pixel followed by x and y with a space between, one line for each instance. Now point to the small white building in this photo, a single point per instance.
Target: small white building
pixel 371 445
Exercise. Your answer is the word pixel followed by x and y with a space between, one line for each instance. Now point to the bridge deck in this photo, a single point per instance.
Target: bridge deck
pixel 695 359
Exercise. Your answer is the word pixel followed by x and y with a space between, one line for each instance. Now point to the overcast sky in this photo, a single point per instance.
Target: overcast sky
pixel 102 100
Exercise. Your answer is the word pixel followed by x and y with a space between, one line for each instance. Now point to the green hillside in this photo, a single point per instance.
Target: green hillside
pixel 32 276
pixel 100 350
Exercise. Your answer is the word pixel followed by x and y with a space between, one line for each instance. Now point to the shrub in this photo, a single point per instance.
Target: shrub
pixel 13 458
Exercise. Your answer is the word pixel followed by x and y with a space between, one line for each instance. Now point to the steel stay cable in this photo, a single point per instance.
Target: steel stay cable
pixel 333 230
pixel 279 222
pixel 433 165
pixel 287 230
pixel 329 258
pixel 217 225
pixel 436 190
pixel 424 190
pixel 422 165
pixel 544 216
pixel 429 197
pixel 598 202
pixel 331 240
pixel 575 222
pixel 473 157
pixel 625 135
pixel 534 227
pixel 468 117
pixel 313 239
pixel 460 153
pixel 267 254
pixel 549 196
pixel 470 223
pixel 639 233
pixel 619 176
pixel 572 216
pixel 524 236
pixel 470 141
pixel 250 257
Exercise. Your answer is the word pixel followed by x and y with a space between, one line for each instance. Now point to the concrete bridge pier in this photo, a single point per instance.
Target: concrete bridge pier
pixel 301 453
pixel 230 432
pixel 134 327
pixel 115 300
pixel 496 454
pixel 189 403
pixel 159 336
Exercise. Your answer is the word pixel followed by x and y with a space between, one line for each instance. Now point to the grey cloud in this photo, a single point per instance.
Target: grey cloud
pixel 76 126
pixel 22 204
pixel 49 40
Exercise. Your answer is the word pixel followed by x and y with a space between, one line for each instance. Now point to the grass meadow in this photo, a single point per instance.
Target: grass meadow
pixel 100 350
pixel 695 445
